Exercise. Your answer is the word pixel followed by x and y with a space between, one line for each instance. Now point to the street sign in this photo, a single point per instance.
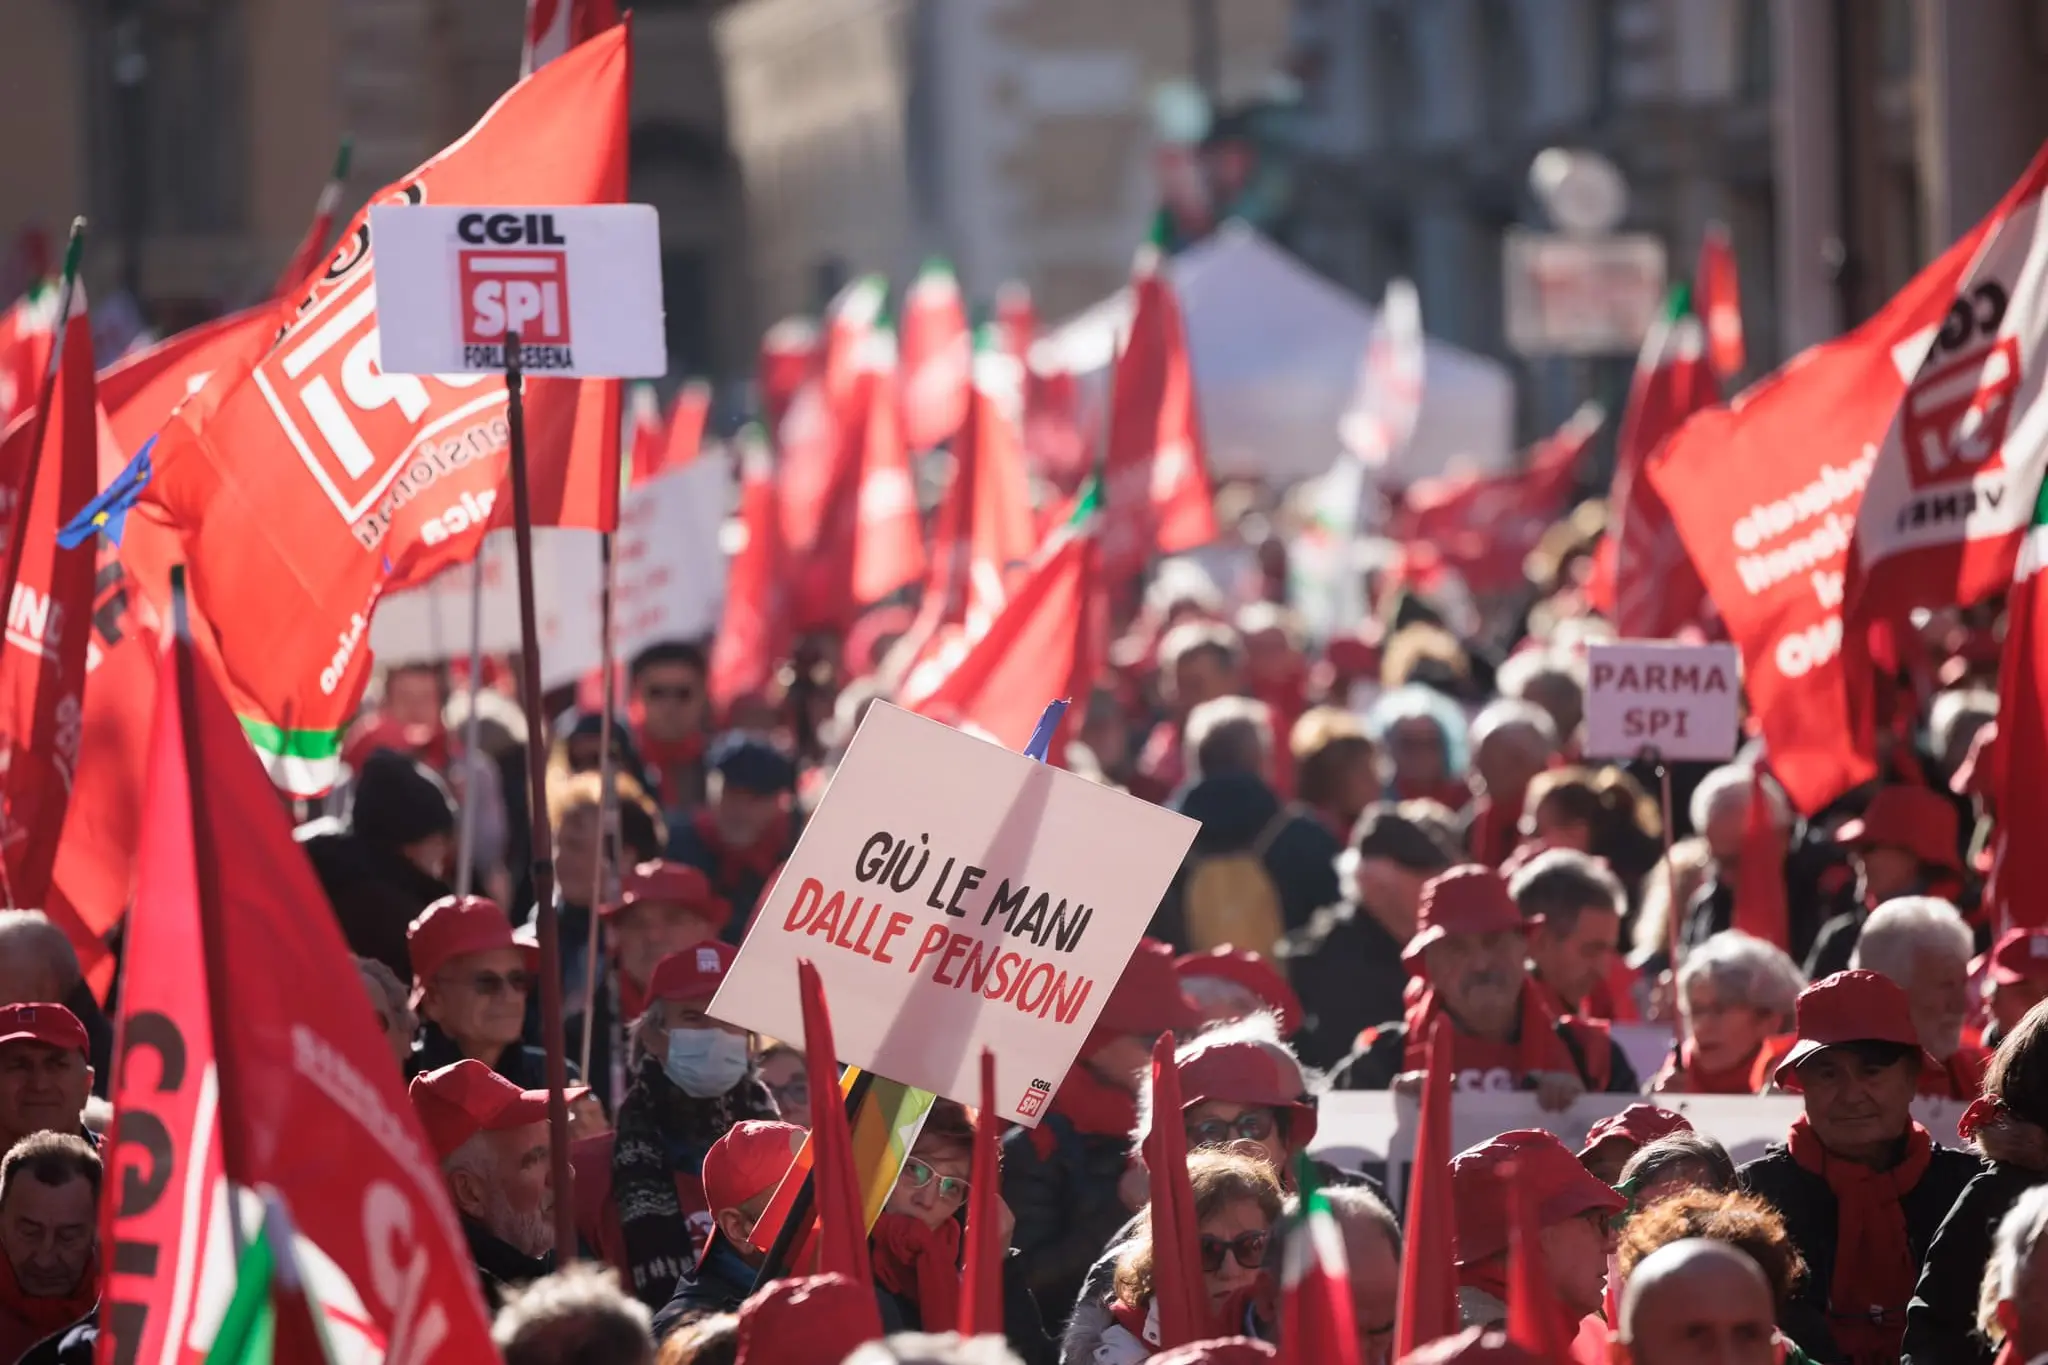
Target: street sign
pixel 1571 295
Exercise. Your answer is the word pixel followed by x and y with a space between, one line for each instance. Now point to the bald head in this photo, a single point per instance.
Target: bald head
pixel 1696 1302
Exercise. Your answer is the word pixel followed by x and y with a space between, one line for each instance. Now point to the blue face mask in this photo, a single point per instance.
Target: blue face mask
pixel 705 1062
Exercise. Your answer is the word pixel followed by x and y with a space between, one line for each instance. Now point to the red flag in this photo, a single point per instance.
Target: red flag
pixel 1760 884
pixel 1318 1325
pixel 2017 753
pixel 937 355
pixel 888 532
pixel 842 1226
pixel 25 333
pixel 318 483
pixel 1429 1258
pixel 1016 320
pixel 751 632
pixel 687 417
pixel 790 355
pixel 1049 641
pixel 1720 300
pixel 392 1269
pixel 1177 1288
pixel 645 438
pixel 981 1269
pixel 1533 1307
pixel 1642 577
pixel 822 446
pixel 141 388
pixel 555 26
pixel 1156 474
pixel 312 248
pixel 49 616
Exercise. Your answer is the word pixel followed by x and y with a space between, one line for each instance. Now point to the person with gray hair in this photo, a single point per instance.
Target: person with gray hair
pixel 1696 1299
pixel 2013 1305
pixel 393 1009
pixel 576 1316
pixel 38 965
pixel 1512 741
pixel 1553 679
pixel 1198 661
pixel 1922 943
pixel 1735 992
pixel 925 1348
pixel 1228 735
pixel 1573 906
pixel 1372 1255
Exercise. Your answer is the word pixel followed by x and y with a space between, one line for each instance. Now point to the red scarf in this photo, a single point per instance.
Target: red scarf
pixel 1536 1048
pixel 670 758
pixel 44 1316
pixel 1688 1077
pixel 1494 831
pixel 757 860
pixel 1874 1265
pixel 921 1264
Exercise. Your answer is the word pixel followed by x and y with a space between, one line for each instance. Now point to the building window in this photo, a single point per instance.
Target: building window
pixel 196 135
pixel 686 305
pixel 1755 76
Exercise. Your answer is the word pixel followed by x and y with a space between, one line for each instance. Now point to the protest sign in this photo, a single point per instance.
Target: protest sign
pixel 1678 700
pixel 956 895
pixel 581 285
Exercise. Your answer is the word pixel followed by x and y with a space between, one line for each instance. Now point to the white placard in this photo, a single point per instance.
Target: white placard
pixel 1570 295
pixel 580 284
pixel 1681 701
pixel 1025 891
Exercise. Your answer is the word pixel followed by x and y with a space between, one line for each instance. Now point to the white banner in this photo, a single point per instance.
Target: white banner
pixel 1682 701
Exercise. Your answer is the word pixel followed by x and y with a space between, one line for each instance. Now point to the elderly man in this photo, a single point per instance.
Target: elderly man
pixel 491 1138
pixel 2015 1296
pixel 37 963
pixel 1372 1254
pixel 1512 741
pixel 44 1075
pixel 1471 950
pixel 576 1316
pixel 1816 879
pixel 471 975
pixel 1923 945
pixel 1573 906
pixel 1861 1186
pixel 1696 1302
pixel 1906 844
pixel 1574 1211
pixel 49 1240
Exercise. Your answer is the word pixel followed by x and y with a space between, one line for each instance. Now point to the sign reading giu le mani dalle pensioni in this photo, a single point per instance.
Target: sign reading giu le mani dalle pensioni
pixel 956 895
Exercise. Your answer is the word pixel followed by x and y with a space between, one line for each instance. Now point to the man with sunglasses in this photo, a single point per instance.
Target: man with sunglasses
pixel 471 976
pixel 671 713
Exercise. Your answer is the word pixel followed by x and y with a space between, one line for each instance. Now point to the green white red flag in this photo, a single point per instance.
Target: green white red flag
pixel 1318 1325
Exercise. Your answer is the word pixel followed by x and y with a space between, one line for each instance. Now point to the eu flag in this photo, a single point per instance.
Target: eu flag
pixel 107 514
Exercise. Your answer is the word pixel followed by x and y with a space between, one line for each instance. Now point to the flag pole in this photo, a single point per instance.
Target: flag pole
pixel 608 798
pixel 546 914
pixel 465 844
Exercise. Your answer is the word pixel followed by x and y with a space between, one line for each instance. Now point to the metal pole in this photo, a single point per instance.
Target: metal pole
pixel 465 849
pixel 607 774
pixel 546 914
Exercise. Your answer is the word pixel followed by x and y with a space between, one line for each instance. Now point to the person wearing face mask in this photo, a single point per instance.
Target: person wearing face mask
pixel 640 1198
pixel 741 1173
pixel 471 976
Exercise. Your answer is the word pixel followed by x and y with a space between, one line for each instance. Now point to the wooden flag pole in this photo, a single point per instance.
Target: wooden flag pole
pixel 608 799
pixel 465 843
pixel 543 869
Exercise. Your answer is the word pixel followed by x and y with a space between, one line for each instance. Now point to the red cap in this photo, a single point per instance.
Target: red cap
pixel 692 974
pixel 813 1320
pixel 1639 1124
pixel 1468 899
pixel 41 1022
pixel 1848 1007
pixel 451 928
pixel 2018 955
pixel 1473 1346
pixel 1919 820
pixel 460 1100
pixel 1564 1189
pixel 1254 973
pixel 666 883
pixel 748 1160
pixel 1146 1000
pixel 1251 1072
pixel 1221 1351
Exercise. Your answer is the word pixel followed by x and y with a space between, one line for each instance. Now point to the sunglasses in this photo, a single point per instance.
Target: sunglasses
pixel 952 1189
pixel 490 983
pixel 671 693
pixel 1254 1125
pixel 1248 1247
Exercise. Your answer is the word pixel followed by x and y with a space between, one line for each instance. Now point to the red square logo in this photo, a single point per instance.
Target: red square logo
pixel 524 291
pixel 1956 416
pixel 1031 1101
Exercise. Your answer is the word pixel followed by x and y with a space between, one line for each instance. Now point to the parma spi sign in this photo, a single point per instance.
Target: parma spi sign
pixel 579 286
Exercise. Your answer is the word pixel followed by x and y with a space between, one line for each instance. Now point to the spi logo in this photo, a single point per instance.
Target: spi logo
pixel 1960 403
pixel 523 290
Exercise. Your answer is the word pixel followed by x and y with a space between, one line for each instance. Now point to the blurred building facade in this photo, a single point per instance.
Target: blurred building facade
pixel 195 135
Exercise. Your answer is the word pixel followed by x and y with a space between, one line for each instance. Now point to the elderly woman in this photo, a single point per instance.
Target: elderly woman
pixel 1923 944
pixel 1734 992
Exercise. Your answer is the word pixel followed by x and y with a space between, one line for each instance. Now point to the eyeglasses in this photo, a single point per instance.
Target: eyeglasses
pixel 797 1092
pixel 490 983
pixel 1253 1125
pixel 1248 1247
pixel 952 1189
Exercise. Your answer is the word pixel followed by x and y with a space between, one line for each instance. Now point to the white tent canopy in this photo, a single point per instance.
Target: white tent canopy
pixel 1276 351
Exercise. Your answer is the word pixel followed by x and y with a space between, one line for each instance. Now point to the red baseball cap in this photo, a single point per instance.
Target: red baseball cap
pixel 452 928
pixel 1146 999
pixel 1919 820
pixel 1639 1124
pixel 2018 955
pixel 748 1160
pixel 1251 1072
pixel 666 883
pixel 1848 1007
pixel 1247 969
pixel 1468 899
pixel 693 974
pixel 460 1100
pixel 42 1022
pixel 811 1320
pixel 1221 1351
pixel 1564 1189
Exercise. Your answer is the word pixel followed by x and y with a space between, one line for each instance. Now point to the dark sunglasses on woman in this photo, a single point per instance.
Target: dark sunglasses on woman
pixel 1248 1247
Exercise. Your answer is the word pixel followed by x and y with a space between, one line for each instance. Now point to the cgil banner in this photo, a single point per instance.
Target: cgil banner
pixel 956 895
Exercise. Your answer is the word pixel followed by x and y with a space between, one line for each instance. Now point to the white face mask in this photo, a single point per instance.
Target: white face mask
pixel 705 1062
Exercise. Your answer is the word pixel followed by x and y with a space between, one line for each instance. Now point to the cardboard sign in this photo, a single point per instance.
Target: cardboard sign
pixel 956 895
pixel 580 285
pixel 1682 701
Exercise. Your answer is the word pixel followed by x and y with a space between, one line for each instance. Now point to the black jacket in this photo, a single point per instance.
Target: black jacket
pixel 1022 1327
pixel 719 1283
pixel 1374 1066
pixel 1811 1216
pixel 1066 1206
pixel 1346 969
pixel 522 1064
pixel 375 891
pixel 73 1345
pixel 1235 810
pixel 1941 1322
pixel 1818 887
pixel 500 1266
pixel 1835 945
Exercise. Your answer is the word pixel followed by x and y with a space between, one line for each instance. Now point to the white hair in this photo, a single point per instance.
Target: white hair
pixel 1239 722
pixel 1950 708
pixel 2019 1236
pixel 529 1232
pixel 1902 928
pixel 1518 670
pixel 1744 970
pixel 1357 1206
pixel 1729 784
pixel 1261 1030
pixel 942 1348
pixel 575 1314
pixel 28 935
pixel 1189 636
pixel 1509 713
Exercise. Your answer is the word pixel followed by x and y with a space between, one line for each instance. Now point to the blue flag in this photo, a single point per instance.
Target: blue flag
pixel 1048 721
pixel 107 514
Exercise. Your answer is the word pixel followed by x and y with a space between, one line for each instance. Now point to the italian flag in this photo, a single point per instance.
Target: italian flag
pixel 272 1318
pixel 1316 1321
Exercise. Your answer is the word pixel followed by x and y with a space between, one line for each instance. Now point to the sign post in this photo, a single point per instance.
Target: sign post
pixel 569 292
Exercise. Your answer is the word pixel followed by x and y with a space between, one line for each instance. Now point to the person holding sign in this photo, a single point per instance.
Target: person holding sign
pixel 1471 950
